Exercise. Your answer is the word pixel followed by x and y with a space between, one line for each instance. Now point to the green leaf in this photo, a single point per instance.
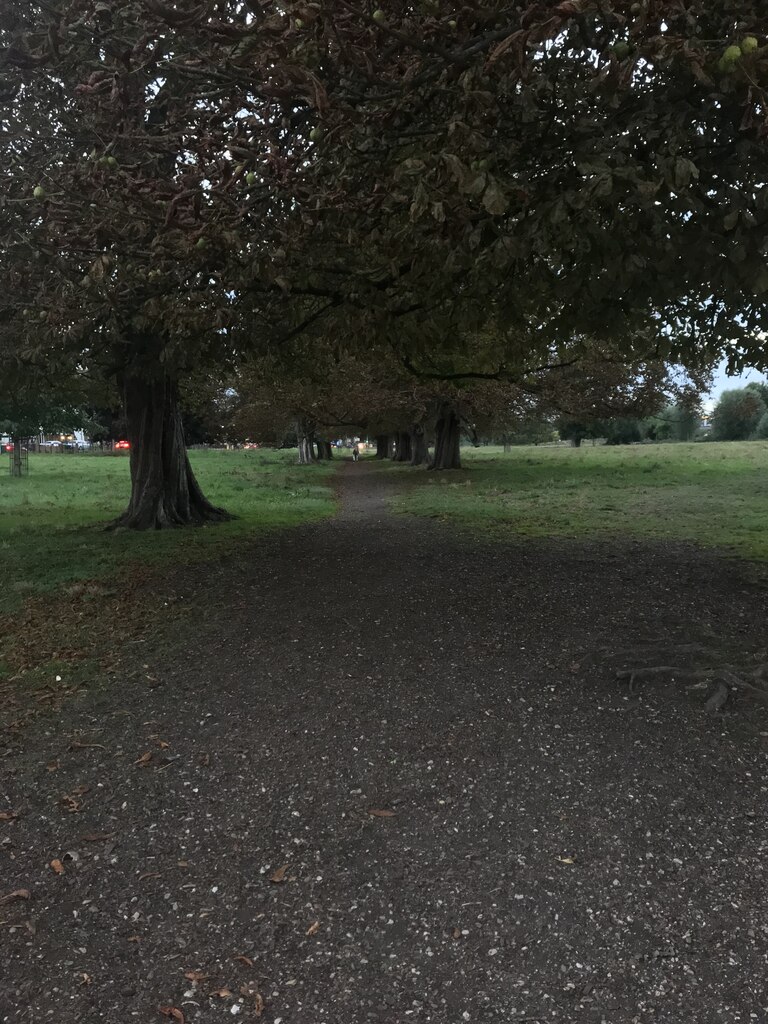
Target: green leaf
pixel 494 200
pixel 760 285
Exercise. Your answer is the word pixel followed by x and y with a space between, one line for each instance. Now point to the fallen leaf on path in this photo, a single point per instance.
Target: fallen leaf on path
pixel 17 894
pixel 565 860
pixel 456 933
pixel 223 993
pixel 279 875
pixel 134 938
pixel 85 979
pixel 9 815
pixel 382 814
pixel 77 745
pixel 195 976
pixel 53 766
pixel 258 1005
pixel 98 837
pixel 57 866
pixel 244 959
pixel 145 759
pixel 314 928
pixel 72 804
pixel 163 744
pixel 172 1011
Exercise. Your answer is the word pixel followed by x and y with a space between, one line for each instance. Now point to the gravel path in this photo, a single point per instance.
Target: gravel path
pixel 380 783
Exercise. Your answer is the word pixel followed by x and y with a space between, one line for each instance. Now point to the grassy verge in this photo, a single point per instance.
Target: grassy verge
pixel 712 494
pixel 72 594
pixel 51 521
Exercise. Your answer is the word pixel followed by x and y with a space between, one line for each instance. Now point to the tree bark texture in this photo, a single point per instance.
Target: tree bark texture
pixel 16 462
pixel 402 447
pixel 164 491
pixel 305 436
pixel 419 449
pixel 447 438
pixel 383 446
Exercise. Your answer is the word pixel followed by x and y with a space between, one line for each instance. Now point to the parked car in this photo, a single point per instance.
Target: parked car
pixel 122 445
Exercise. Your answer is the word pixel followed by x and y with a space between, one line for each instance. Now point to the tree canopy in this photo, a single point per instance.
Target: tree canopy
pixel 184 183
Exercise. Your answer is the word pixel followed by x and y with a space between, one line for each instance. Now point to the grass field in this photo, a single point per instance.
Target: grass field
pixel 714 494
pixel 51 521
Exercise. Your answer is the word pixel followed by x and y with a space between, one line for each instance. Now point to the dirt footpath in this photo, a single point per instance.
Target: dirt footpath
pixel 382 780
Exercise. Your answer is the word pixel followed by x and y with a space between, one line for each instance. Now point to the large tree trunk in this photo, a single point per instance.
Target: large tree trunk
pixel 447 437
pixel 383 446
pixel 324 450
pixel 419 449
pixel 305 436
pixel 507 445
pixel 16 461
pixel 402 447
pixel 164 491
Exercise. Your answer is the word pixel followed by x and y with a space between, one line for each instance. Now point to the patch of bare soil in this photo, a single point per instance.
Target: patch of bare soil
pixel 393 776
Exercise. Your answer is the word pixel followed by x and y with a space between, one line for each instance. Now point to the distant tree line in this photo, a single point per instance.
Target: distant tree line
pixel 741 414
pixel 672 423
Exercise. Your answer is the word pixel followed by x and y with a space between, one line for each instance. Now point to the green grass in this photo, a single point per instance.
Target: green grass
pixel 51 521
pixel 709 493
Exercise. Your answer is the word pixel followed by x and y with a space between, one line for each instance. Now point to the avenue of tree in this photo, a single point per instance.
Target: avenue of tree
pixel 410 217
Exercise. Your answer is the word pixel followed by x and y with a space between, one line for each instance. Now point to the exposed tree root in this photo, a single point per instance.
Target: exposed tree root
pixel 720 674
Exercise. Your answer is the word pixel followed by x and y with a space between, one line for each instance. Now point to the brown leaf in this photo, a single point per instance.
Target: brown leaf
pixel 143 760
pixel 98 837
pixel 382 814
pixel 279 875
pixel 172 1011
pixel 244 959
pixel 52 766
pixel 313 929
pixel 516 39
pixel 72 805
pixel 9 815
pixel 223 993
pixel 17 894
pixel 57 866
pixel 134 938
pixel 569 8
pixel 77 745
pixel 85 979
pixel 258 1005
pixel 163 744
pixel 195 975
pixel 456 934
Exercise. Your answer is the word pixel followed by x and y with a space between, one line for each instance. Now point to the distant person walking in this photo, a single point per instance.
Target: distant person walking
pixel 356 453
